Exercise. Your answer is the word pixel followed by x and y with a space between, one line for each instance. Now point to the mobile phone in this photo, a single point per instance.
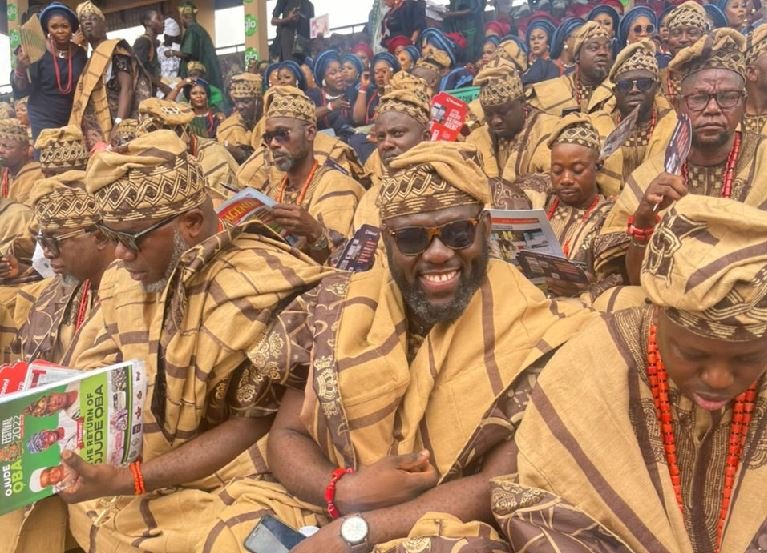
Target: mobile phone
pixel 272 536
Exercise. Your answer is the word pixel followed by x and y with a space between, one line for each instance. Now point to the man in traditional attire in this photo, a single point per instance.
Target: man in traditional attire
pixel 583 89
pixel 191 304
pixel 634 78
pixel 722 161
pixel 686 24
pixel 197 46
pixel 316 203
pixel 112 84
pixel 20 172
pixel 218 166
pixel 419 371
pixel 647 433
pixel 241 132
pixel 755 116
pixel 61 150
pixel 145 48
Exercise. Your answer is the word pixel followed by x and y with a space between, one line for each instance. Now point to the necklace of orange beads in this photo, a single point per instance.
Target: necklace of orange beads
pixel 302 191
pixel 742 411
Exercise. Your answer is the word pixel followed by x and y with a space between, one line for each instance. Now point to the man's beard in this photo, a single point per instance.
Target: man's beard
pixel 289 161
pixel 721 140
pixel 430 314
pixel 179 247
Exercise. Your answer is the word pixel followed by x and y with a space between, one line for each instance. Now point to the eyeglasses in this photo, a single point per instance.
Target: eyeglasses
pixel 639 29
pixel 456 235
pixel 131 240
pixel 52 243
pixel 725 99
pixel 643 84
pixel 280 135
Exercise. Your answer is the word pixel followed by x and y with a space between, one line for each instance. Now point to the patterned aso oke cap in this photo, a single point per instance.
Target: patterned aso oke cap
pixel 245 85
pixel 588 31
pixel 196 66
pixel 512 50
pixel 11 130
pixel 154 178
pixel 575 128
pixel 289 101
pixel 756 44
pixel 165 114
pixel 61 203
pixel 89 8
pixel 499 82
pixel 126 130
pixel 720 49
pixel 706 264
pixel 639 55
pixel 434 60
pixel 433 176
pixel 62 148
pixel 409 95
pixel 688 14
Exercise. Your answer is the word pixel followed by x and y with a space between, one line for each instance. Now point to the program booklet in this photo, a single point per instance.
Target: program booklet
pixel 448 115
pixel 540 266
pixel 360 252
pixel 97 414
pixel 250 203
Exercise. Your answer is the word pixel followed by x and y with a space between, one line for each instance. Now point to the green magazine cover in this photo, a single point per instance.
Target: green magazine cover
pixel 97 414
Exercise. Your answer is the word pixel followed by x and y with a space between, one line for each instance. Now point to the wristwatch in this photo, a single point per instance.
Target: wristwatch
pixel 354 531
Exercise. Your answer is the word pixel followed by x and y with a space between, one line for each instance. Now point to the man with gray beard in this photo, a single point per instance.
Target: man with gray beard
pixel 191 300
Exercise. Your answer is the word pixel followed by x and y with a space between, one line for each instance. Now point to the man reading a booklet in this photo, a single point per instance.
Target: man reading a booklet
pixel 418 371
pixel 191 304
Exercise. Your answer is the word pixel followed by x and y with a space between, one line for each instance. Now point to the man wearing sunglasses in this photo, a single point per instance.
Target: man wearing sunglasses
pixel 315 202
pixel 755 116
pixel 722 162
pixel 635 78
pixel 419 373
pixel 192 304
pixel 686 24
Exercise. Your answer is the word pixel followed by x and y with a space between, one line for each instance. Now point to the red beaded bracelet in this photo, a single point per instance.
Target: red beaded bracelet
pixel 330 491
pixel 641 235
pixel 138 478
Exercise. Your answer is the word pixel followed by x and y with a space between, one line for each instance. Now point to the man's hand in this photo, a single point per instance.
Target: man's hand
pixel 296 220
pixel 328 540
pixel 391 481
pixel 664 190
pixel 88 481
pixel 9 267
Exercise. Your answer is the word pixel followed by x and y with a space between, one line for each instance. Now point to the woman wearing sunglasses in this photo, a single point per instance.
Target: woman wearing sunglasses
pixel 638 23
pixel 635 79
pixel 573 204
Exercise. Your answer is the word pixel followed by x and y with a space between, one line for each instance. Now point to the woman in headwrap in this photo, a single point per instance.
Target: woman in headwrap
pixel 488 49
pixel 334 100
pixel 540 32
pixel 206 119
pixel 561 44
pixel 638 23
pixel 50 82
pixel 405 18
pixel 438 40
pixel 384 66
pixel 351 66
pixel 364 52
pixel 407 58
pixel 736 12
pixel 285 73
pixel 607 16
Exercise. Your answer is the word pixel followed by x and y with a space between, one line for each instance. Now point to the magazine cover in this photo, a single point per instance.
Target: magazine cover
pixel 97 414
pixel 538 266
pixel 360 252
pixel 250 203
pixel 515 230
pixel 448 115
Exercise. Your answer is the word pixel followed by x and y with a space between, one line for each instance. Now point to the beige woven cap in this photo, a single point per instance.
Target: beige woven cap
pixel 756 44
pixel 89 8
pixel 509 50
pixel 407 94
pixel 588 31
pixel 707 265
pixel 62 148
pixel 499 83
pixel 165 113
pixel 291 102
pixel 245 85
pixel 61 203
pixel 154 178
pixel 720 49
pixel 688 14
pixel 11 130
pixel 633 57
pixel 575 128
pixel 433 176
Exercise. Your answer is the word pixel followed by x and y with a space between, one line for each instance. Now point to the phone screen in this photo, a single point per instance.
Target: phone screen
pixel 272 536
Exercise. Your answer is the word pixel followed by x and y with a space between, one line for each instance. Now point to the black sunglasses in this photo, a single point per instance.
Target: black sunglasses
pixel 456 235
pixel 638 29
pixel 280 135
pixel 52 243
pixel 643 84
pixel 131 240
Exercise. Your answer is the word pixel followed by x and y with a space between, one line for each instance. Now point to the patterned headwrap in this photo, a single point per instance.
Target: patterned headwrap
pixel 500 83
pixel 154 178
pixel 196 66
pixel 62 148
pixel 706 264
pixel 322 62
pixel 385 57
pixel 89 8
pixel 187 9
pixel 409 95
pixel 289 101
pixel 434 60
pixel 589 31
pixel 61 203
pixel 756 44
pixel 11 130
pixel 413 52
pixel 575 128
pixel 563 33
pixel 720 49
pixel 435 39
pixel 628 21
pixel 165 114
pixel 689 14
pixel 433 176
pixel 245 85
pixel 639 55
pixel 514 50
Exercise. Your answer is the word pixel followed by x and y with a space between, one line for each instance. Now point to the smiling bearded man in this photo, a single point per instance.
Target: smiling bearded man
pixel 418 377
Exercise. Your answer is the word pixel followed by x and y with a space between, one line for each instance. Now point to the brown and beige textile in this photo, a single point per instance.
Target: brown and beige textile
pixel 409 95
pixel 499 84
pixel 575 129
pixel 721 49
pixel 589 31
pixel 291 102
pixel 634 57
pixel 11 130
pixel 756 44
pixel 687 14
pixel 62 149
pixel 61 203
pixel 245 85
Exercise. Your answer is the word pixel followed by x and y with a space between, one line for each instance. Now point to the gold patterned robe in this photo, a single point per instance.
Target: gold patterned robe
pixel 754 124
pixel 234 131
pixel 22 184
pixel 748 186
pixel 195 338
pixel 561 95
pixel 592 468
pixel 218 167
pixel 369 394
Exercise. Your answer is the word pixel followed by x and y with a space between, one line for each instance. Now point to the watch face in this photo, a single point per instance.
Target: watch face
pixel 354 529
